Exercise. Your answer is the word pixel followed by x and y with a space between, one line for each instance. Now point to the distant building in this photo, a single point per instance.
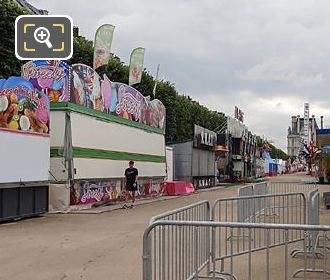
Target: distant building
pixel 31 8
pixel 75 31
pixel 296 133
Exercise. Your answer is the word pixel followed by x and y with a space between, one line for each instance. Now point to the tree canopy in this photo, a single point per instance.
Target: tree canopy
pixel 9 64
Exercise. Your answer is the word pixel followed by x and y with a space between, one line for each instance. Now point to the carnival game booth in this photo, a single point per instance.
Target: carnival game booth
pixel 194 160
pixel 24 149
pixel 97 126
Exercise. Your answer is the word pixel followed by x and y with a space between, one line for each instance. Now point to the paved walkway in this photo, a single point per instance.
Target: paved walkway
pixel 84 246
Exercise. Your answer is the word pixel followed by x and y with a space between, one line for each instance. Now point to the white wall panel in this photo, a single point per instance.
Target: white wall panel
pixel 104 168
pixel 24 157
pixel 57 128
pixel 89 132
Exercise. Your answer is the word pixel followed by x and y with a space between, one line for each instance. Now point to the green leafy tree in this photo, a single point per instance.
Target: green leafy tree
pixel 82 51
pixel 9 64
pixel 115 70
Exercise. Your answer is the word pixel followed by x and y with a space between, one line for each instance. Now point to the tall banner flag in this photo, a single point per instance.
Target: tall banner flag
pixel 136 66
pixel 102 45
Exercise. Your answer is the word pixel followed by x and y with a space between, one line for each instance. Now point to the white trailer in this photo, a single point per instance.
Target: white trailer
pixel 90 151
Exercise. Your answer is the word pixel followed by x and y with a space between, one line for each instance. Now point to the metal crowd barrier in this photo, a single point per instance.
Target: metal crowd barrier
pixel 244 204
pixel 312 249
pixel 185 244
pixel 177 250
pixel 276 208
pixel 177 242
pixel 199 211
pixel 289 187
pixel 287 208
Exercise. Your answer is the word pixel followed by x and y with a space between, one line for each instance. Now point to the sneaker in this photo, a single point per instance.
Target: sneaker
pixel 125 206
pixel 132 206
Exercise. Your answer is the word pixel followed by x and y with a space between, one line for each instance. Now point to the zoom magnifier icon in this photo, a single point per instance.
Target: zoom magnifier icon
pixel 42 35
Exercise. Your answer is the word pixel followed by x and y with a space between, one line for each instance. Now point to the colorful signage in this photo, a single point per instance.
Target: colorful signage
pixel 86 87
pixel 90 192
pixel 130 103
pixel 51 77
pixel 86 192
pixel 23 107
pixel 102 45
pixel 118 99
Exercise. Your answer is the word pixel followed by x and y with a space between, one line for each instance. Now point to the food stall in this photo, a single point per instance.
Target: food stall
pixel 24 149
pixel 97 126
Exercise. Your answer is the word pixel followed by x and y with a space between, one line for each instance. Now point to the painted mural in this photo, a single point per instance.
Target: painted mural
pixel 90 192
pixel 87 192
pixel 51 77
pixel 23 107
pixel 86 87
pixel 118 99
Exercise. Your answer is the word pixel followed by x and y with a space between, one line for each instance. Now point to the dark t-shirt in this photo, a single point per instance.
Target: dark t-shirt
pixel 131 174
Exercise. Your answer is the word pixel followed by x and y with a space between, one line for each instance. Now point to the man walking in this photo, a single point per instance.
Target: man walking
pixel 131 175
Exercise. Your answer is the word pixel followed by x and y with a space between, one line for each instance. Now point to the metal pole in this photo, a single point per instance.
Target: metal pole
pixel 156 82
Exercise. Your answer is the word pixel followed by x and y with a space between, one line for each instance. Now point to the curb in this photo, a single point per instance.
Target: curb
pixel 109 208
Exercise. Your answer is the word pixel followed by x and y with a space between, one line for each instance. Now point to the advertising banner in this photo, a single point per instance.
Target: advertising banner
pixel 136 66
pixel 22 107
pixel 102 45
pixel 52 77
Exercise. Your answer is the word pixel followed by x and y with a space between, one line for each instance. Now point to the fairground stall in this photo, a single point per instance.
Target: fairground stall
pixel 194 160
pixel 241 145
pixel 97 126
pixel 24 149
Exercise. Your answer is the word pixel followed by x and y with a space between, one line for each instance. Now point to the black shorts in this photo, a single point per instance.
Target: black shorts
pixel 130 188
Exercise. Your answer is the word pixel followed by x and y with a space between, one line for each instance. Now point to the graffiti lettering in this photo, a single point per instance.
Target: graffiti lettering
pixel 95 193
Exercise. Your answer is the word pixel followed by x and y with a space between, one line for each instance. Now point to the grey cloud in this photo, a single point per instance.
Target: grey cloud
pixel 255 54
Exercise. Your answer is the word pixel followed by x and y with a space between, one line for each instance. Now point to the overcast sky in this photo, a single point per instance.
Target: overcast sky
pixel 266 57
